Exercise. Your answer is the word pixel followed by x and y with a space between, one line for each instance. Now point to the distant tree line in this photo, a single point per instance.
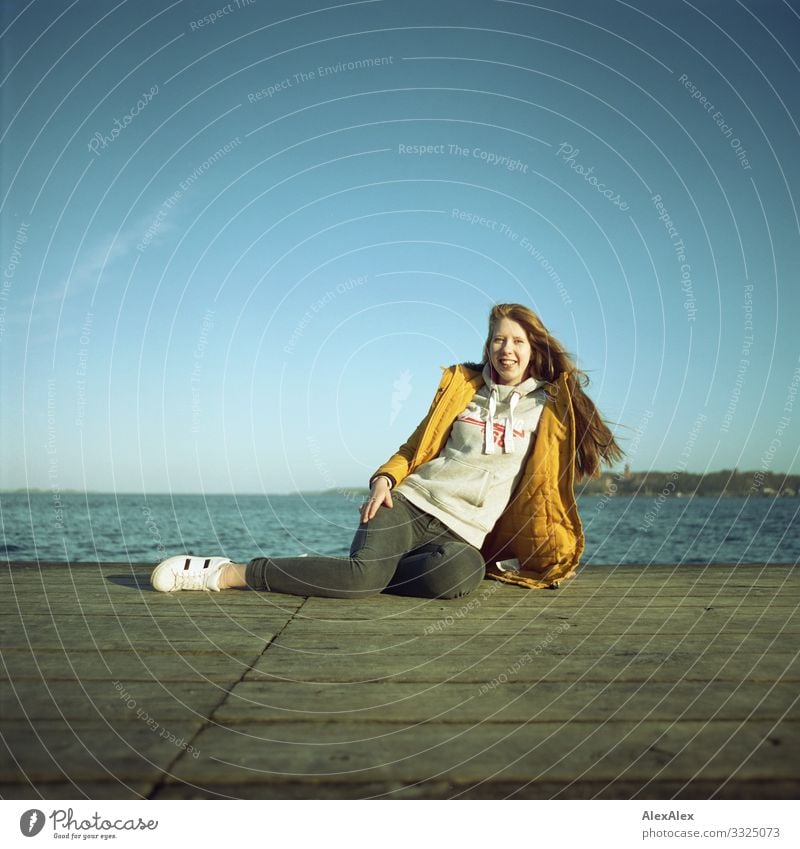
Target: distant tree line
pixel 725 482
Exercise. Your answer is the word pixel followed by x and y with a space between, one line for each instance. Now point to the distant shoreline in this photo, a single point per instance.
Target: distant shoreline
pixel 724 483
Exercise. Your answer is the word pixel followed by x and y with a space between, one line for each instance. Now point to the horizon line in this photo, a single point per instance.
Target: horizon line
pixel 331 490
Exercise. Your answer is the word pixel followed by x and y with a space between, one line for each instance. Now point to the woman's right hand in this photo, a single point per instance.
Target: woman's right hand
pixel 379 495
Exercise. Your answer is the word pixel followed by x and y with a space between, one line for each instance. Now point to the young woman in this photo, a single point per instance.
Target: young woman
pixel 482 488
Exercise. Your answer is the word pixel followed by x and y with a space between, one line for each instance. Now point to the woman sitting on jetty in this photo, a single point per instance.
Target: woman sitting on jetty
pixel 482 488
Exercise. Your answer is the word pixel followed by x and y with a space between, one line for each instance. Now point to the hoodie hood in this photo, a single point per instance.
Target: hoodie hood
pixel 525 388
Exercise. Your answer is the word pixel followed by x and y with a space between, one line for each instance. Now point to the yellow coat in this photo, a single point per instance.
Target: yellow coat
pixel 540 525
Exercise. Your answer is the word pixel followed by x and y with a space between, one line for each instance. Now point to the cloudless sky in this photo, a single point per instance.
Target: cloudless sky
pixel 226 269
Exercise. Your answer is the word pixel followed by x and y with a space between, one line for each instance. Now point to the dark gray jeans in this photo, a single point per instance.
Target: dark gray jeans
pixel 402 549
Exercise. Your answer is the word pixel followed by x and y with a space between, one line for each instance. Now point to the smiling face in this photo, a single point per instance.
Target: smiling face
pixel 510 352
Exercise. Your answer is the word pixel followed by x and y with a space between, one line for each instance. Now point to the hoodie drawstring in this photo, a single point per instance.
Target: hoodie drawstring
pixel 488 429
pixel 508 433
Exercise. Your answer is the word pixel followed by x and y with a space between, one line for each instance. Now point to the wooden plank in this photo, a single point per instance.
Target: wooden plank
pixel 568 643
pixel 606 621
pixel 562 753
pixel 478 609
pixel 507 700
pixel 248 602
pixel 636 628
pixel 132 755
pixel 461 620
pixel 477 667
pixel 77 789
pixel 71 630
pixel 142 621
pixel 132 665
pixel 104 701
pixel 322 789
pixel 489 592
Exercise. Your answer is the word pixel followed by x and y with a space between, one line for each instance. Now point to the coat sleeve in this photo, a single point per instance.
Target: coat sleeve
pixel 401 463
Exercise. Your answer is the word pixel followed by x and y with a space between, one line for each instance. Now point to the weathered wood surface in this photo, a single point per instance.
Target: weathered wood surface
pixel 631 682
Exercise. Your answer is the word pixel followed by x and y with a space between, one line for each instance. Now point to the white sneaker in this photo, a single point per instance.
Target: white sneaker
pixel 185 572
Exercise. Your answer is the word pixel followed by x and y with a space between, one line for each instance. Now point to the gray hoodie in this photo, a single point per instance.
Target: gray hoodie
pixel 469 484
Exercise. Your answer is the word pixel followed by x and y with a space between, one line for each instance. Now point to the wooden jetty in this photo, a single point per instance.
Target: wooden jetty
pixel 629 682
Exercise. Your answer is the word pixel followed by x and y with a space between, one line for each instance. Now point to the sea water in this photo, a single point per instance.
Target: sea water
pixel 146 529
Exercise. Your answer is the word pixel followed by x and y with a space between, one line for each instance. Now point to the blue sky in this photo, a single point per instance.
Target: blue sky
pixel 239 240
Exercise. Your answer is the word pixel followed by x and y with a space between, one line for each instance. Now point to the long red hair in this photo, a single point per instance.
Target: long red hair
pixel 595 444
